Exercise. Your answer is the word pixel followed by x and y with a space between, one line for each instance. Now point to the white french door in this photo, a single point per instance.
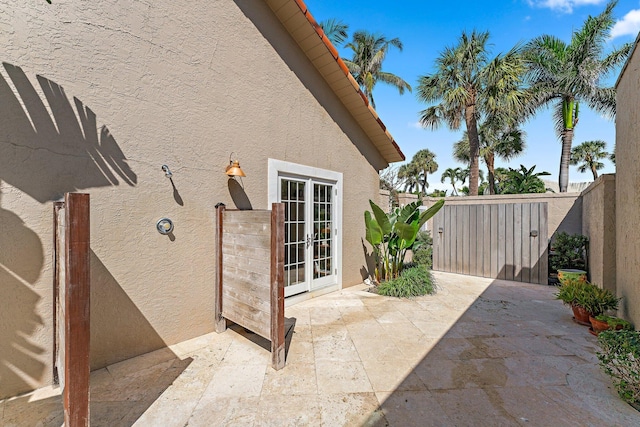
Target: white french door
pixel 310 233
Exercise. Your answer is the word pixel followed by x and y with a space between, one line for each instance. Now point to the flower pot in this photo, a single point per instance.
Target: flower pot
pixel 568 273
pixel 580 315
pixel 597 326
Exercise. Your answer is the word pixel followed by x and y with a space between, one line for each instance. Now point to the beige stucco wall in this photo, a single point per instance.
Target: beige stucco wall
pixel 564 210
pixel 106 93
pixel 627 191
pixel 599 225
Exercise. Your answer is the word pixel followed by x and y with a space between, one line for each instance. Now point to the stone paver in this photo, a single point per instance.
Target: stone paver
pixel 478 352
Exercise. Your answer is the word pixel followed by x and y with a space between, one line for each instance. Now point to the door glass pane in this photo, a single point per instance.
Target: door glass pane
pixel 322 227
pixel 292 195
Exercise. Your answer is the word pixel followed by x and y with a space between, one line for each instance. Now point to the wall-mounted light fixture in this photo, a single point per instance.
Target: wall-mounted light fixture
pixel 234 167
pixel 167 171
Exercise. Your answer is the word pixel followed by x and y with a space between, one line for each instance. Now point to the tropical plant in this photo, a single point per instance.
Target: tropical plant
pixel 620 359
pixel 612 156
pixel 468 86
pixel 496 139
pixel 335 30
pixel 424 162
pixel 423 250
pixel 412 282
pixel 563 75
pixel 571 291
pixel 588 155
pixel 369 52
pixel 409 176
pixel 438 193
pixel 453 175
pixel 569 251
pixel 522 181
pixel 597 300
pixel 391 235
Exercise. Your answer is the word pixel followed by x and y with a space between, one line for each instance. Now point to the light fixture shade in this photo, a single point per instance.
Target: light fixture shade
pixel 234 169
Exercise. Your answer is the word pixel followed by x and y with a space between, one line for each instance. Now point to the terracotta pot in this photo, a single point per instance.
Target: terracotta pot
pixel 580 315
pixel 597 326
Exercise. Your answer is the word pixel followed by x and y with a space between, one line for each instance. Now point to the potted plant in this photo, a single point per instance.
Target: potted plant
pixel 597 300
pixel 567 255
pixel 603 322
pixel 573 292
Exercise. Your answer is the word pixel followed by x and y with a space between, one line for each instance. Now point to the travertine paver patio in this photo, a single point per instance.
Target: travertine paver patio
pixel 479 352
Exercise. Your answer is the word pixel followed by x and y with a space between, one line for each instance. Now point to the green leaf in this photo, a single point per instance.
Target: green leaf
pixel 373 230
pixel 407 233
pixel 381 218
pixel 429 213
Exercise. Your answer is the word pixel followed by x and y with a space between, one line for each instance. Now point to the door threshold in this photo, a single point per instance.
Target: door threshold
pixel 295 299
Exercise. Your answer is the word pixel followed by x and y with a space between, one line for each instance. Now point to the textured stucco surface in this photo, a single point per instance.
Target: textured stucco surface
pixel 95 97
pixel 599 225
pixel 627 194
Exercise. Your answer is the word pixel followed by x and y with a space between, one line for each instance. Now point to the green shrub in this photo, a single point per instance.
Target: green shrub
pixel 620 358
pixel 415 280
pixel 568 251
pixel 423 250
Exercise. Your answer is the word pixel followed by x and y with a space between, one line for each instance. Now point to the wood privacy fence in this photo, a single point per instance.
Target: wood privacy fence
pixel 501 241
pixel 71 311
pixel 250 273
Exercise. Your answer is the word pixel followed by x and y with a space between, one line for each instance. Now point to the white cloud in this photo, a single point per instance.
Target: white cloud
pixel 415 125
pixel 566 6
pixel 629 25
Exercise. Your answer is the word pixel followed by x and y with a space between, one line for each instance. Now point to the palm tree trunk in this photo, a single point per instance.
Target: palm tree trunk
pixel 489 160
pixel 474 148
pixel 567 139
pixel 594 172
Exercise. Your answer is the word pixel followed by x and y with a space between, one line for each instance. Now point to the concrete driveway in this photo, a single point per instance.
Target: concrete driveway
pixel 477 353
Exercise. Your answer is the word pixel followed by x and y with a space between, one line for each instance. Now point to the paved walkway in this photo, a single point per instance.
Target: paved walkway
pixel 478 353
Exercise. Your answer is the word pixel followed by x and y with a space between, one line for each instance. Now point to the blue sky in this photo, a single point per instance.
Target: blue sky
pixel 425 28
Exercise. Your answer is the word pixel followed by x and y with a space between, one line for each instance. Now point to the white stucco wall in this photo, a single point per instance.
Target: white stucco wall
pixel 95 97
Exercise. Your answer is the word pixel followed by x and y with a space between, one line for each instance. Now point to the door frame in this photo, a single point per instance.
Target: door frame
pixel 280 168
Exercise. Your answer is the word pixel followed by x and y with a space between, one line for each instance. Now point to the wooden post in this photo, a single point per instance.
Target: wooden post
pixel 220 322
pixel 77 279
pixel 58 268
pixel 277 286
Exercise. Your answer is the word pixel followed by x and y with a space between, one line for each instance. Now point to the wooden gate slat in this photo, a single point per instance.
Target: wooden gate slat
pixel 544 245
pixel 465 239
pixel 526 247
pixel 534 240
pixel 473 240
pixel 509 241
pixel 502 274
pixel 517 242
pixel 486 243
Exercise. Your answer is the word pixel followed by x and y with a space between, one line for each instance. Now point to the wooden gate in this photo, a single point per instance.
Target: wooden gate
pixel 501 241
pixel 250 273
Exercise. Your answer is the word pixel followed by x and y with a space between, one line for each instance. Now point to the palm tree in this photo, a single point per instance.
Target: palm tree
pixel 369 52
pixel 453 174
pixel 468 86
pixel 409 175
pixel 588 155
pixel 496 138
pixel 564 74
pixel 335 30
pixel 424 162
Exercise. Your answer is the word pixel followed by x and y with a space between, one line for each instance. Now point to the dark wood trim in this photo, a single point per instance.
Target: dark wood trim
pixel 219 320
pixel 77 305
pixel 277 286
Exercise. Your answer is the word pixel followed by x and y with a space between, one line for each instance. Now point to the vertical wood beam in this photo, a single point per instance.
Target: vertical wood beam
pixel 58 247
pixel 220 322
pixel 77 281
pixel 277 286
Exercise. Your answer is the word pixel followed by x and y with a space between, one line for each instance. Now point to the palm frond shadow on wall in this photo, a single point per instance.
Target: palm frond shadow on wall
pixel 47 152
